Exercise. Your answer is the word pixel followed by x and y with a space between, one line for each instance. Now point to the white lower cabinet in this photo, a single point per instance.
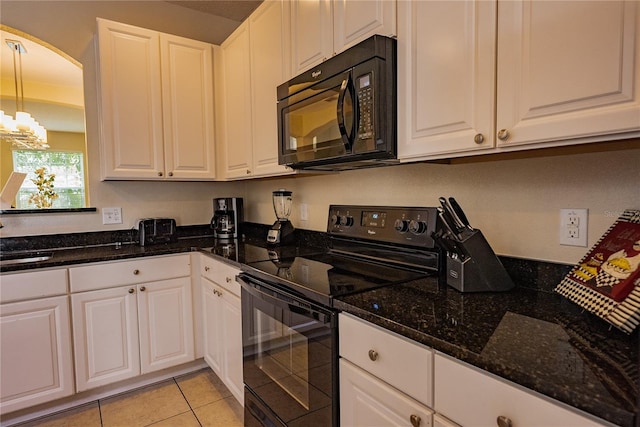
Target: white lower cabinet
pixel 385 379
pixel 36 363
pixel 471 397
pixel 124 331
pixel 367 401
pixel 222 323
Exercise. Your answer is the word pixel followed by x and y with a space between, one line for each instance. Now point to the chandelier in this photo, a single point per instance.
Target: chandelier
pixel 24 131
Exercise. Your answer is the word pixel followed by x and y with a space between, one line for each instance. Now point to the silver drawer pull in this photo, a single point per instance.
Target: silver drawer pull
pixel 503 421
pixel 131 290
pixel 206 269
pixel 415 420
pixel 373 355
pixel 228 279
pixel 136 272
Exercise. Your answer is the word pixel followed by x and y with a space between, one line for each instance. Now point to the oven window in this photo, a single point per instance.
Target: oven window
pixel 290 360
pixel 283 356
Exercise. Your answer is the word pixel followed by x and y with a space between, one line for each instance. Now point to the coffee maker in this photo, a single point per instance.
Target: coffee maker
pixel 227 217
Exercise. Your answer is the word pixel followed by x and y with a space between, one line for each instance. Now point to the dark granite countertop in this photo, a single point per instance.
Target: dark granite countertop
pixel 529 335
pixel 534 338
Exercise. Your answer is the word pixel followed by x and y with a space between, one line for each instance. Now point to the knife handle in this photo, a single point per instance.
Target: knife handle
pixel 458 210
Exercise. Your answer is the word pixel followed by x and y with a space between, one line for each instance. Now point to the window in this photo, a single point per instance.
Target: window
pixel 68 167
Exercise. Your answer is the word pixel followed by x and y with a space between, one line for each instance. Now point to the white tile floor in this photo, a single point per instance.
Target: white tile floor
pixel 196 399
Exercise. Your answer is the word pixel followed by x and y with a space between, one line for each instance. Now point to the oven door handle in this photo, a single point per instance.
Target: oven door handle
pixel 269 293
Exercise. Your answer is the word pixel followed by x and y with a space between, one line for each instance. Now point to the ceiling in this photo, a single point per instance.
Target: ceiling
pixel 236 10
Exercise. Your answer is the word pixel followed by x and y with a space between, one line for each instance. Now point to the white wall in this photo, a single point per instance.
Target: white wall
pixel 516 203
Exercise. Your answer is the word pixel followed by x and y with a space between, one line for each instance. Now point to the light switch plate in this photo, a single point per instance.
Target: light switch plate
pixel 112 215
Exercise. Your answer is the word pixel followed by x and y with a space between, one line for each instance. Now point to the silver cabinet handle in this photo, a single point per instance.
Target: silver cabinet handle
pixel 131 290
pixel 415 420
pixel 503 134
pixel 248 172
pixel 373 355
pixel 142 289
pixel 228 279
pixel 170 173
pixel 136 272
pixel 503 421
pixel 479 138
pixel 206 269
pixel 159 173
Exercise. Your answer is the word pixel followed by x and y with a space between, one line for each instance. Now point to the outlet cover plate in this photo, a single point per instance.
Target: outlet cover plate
pixel 111 215
pixel 573 227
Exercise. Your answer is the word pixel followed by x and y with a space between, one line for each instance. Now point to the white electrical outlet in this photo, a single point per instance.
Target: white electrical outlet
pixel 304 212
pixel 573 227
pixel 112 215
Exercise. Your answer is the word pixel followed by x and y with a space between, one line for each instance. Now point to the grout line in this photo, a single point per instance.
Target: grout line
pixel 187 400
pixel 100 413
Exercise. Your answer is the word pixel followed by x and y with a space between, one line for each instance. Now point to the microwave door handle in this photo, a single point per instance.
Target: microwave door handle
pixel 346 137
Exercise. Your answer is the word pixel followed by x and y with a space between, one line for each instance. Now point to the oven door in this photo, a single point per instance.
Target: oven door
pixel 289 358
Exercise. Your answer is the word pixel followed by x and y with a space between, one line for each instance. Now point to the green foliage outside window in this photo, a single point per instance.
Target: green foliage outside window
pixel 68 168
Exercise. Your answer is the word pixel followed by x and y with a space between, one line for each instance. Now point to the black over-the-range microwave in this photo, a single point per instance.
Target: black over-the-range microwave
pixel 342 114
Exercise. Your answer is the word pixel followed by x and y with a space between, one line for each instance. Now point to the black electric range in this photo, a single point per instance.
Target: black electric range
pixel 290 330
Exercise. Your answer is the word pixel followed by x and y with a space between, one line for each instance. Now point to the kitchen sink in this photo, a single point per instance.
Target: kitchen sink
pixel 24 257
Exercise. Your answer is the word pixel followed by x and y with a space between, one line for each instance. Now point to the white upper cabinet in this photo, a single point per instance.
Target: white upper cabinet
pixel 567 69
pixel 446 76
pixel 253 62
pixel 562 73
pixel 156 105
pixel 354 21
pixel 323 28
pixel 311 33
pixel 233 96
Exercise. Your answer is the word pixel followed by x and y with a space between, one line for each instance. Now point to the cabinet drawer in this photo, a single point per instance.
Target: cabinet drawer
pixel 367 401
pixel 404 364
pixel 472 397
pixel 33 284
pixel 139 270
pixel 220 273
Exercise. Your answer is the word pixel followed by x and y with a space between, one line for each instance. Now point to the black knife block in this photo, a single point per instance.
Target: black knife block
pixel 478 269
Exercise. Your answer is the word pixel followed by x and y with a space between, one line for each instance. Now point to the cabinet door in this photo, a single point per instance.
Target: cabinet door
pixel 269 67
pixel 234 90
pixel 568 69
pixel 354 21
pixel 130 102
pixel 105 336
pixel 446 77
pixel 232 339
pixel 212 326
pixel 311 33
pixel 187 96
pixel 165 319
pixel 35 350
pixel 367 401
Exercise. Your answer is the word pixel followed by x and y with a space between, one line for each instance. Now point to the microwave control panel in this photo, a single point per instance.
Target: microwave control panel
pixel 364 91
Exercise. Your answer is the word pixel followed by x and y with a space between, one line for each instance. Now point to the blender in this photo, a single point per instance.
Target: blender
pixel 282 230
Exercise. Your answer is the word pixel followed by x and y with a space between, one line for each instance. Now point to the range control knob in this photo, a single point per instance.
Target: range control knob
pixel 346 221
pixel 401 225
pixel 334 219
pixel 417 227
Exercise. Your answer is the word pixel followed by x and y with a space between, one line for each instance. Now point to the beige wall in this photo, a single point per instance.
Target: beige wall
pixel 516 203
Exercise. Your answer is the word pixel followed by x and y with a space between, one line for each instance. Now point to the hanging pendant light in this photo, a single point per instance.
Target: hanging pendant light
pixel 24 131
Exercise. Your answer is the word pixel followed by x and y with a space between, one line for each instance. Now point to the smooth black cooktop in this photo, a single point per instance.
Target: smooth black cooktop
pixel 322 277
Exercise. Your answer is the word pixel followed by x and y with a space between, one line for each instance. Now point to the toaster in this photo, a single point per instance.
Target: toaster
pixel 156 230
